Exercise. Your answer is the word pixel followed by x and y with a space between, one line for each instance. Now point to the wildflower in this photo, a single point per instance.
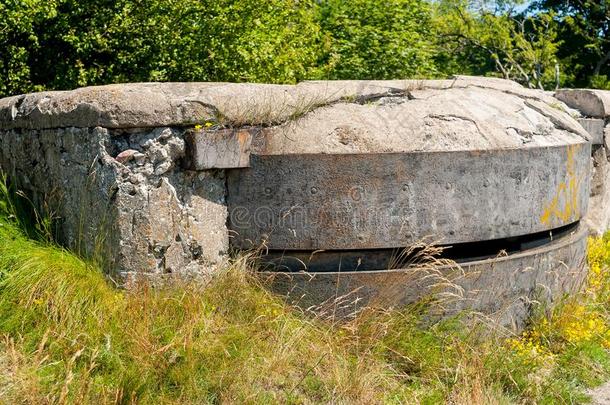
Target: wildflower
pixel 528 349
pixel 598 256
pixel 580 324
pixel 207 124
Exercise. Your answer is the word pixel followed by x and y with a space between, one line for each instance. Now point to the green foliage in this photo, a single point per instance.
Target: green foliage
pixel 585 31
pixel 115 41
pixel 19 42
pixel 68 336
pixel 521 48
pixel 600 82
pixel 65 44
pixel 553 42
pixel 377 40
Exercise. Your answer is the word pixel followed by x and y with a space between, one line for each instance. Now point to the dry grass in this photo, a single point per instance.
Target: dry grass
pixel 68 336
pixel 272 107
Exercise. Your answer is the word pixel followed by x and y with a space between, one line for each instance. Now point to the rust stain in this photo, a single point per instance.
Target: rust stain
pixel 242 138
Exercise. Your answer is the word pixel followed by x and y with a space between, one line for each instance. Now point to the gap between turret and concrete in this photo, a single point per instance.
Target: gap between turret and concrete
pixel 335 178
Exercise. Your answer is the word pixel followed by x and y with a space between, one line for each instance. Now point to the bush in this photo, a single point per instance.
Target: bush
pixel 101 42
pixel 377 40
pixel 19 42
pixel 64 44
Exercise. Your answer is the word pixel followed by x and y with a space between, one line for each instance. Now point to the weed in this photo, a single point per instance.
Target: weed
pixel 69 336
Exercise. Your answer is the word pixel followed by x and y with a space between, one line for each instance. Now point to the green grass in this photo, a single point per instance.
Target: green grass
pixel 68 336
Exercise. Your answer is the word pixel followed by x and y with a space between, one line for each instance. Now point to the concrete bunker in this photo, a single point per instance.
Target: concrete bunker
pixel 334 179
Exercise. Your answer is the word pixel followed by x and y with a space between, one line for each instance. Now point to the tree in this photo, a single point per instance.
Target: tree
pixel 376 40
pixel 201 40
pixel 63 44
pixel 479 39
pixel 19 42
pixel 585 30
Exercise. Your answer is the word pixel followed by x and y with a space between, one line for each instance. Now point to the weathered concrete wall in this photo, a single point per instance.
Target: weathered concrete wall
pixel 594 105
pixel 165 178
pixel 388 200
pixel 123 192
pixel 114 164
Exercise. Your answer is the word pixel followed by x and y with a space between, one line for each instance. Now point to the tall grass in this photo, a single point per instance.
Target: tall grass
pixel 68 336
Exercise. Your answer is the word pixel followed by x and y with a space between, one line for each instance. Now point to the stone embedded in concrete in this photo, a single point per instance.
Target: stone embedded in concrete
pixel 142 215
pixel 218 149
pixel 118 166
pixel 595 127
pixel 592 103
pixel 126 156
pixel 503 288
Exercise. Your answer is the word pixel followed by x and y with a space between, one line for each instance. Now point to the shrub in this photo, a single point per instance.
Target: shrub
pixel 101 42
pixel 377 40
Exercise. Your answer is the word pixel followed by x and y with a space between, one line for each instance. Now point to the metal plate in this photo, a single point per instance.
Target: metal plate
pixel 397 258
pixel 502 288
pixel 388 200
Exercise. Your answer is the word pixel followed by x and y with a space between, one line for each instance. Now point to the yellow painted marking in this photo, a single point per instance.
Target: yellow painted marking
pixel 567 193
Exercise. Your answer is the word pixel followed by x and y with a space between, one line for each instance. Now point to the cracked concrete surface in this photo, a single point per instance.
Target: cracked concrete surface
pixel 111 159
pixel 142 215
pixel 451 119
pixel 140 105
pixel 594 105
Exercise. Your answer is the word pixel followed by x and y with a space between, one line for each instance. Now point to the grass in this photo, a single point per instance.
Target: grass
pixel 269 111
pixel 68 336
